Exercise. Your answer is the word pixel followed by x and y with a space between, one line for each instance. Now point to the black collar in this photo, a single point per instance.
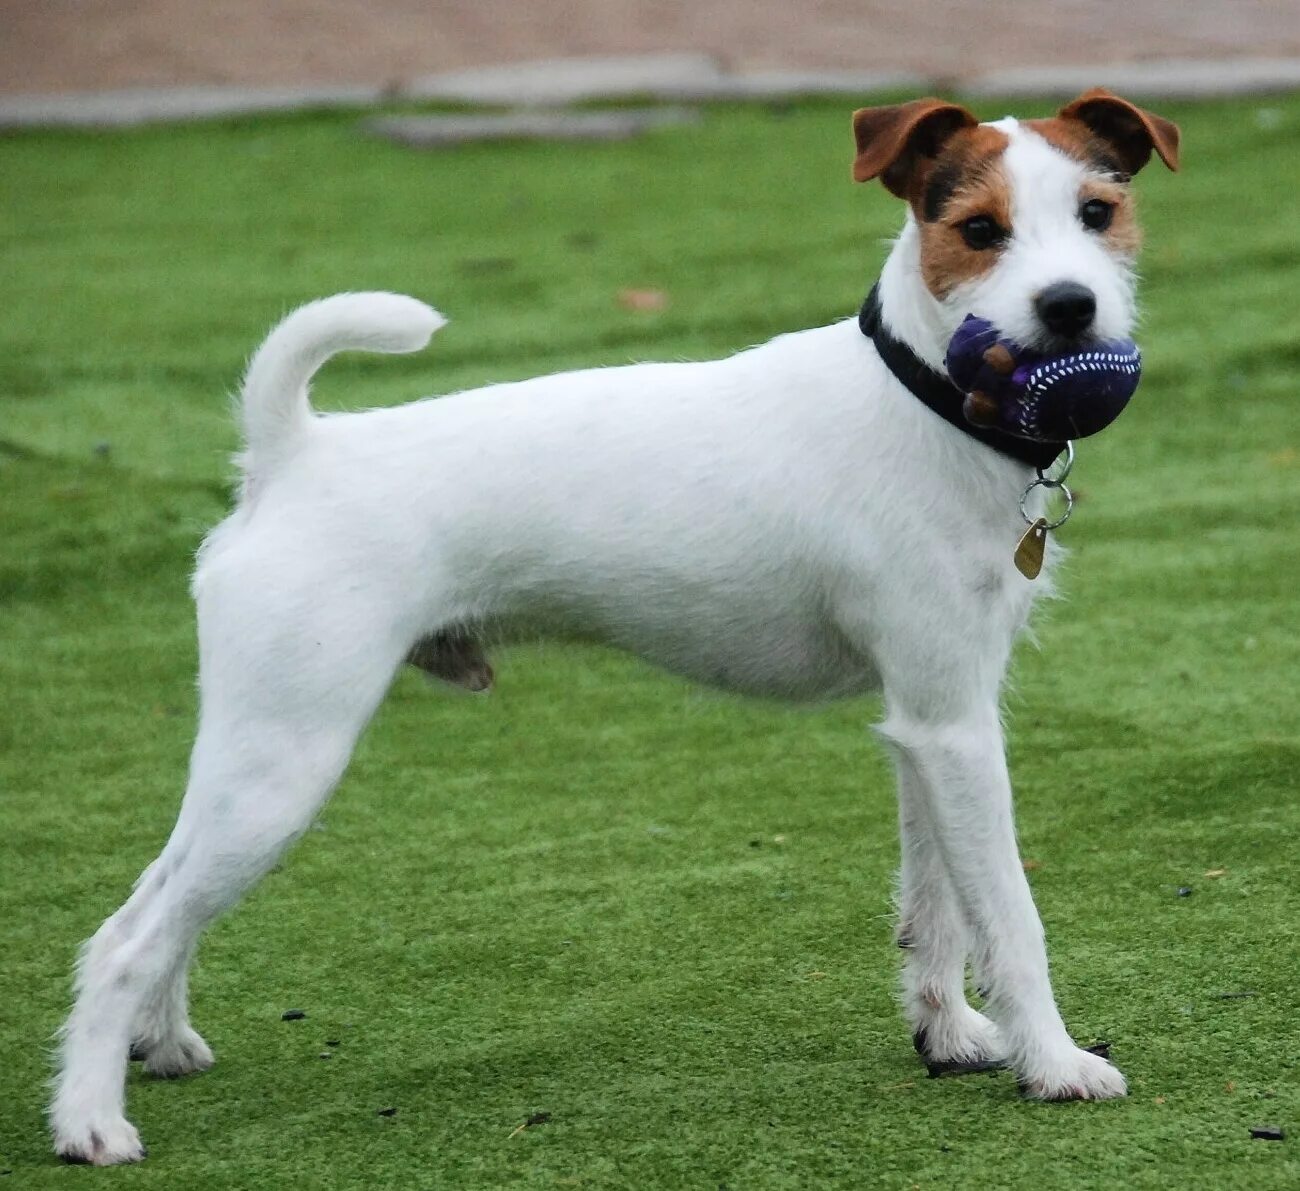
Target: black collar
pixel 935 390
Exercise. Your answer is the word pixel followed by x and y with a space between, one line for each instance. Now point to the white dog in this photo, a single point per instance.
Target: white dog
pixel 791 521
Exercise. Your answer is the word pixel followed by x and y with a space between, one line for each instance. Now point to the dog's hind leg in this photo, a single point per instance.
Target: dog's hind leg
pixel 282 706
pixel 950 1036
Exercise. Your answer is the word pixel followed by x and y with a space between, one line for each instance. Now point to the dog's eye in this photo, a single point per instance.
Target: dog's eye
pixel 1096 214
pixel 980 232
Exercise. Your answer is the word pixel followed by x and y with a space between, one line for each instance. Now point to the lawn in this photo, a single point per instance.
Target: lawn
pixel 660 915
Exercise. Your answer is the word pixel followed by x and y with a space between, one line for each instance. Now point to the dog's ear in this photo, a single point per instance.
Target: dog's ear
pixel 896 143
pixel 1129 130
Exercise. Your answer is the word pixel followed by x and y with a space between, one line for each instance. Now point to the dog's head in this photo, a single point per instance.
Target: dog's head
pixel 1027 224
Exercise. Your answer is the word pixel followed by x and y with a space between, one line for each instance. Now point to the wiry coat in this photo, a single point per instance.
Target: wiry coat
pixel 788 522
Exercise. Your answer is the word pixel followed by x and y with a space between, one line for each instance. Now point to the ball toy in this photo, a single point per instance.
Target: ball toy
pixel 1037 396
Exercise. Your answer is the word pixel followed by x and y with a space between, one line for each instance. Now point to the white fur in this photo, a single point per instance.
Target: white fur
pixel 274 404
pixel 1048 244
pixel 788 521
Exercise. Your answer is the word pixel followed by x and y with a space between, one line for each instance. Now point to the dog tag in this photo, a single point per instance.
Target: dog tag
pixel 1029 550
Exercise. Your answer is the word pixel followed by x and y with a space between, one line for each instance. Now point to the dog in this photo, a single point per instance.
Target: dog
pixel 790 521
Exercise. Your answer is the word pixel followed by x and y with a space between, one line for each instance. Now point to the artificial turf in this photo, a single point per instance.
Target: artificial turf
pixel 660 915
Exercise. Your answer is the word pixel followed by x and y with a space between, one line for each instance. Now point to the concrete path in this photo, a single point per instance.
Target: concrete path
pixel 620 124
pixel 535 90
pixel 49 46
pixel 62 62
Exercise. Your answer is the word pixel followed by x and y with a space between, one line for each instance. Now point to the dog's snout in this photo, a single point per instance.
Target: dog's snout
pixel 1067 308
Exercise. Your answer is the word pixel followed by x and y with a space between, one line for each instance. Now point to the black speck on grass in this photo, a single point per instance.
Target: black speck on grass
pixel 1267 1133
pixel 387 1112
pixel 1192 743
pixel 482 265
pixel 293 1015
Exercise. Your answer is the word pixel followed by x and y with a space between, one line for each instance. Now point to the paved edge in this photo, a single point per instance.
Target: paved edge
pixel 564 124
pixel 1170 79
pixel 662 77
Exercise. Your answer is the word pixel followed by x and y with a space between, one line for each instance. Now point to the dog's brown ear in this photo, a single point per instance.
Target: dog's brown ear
pixel 896 143
pixel 1129 130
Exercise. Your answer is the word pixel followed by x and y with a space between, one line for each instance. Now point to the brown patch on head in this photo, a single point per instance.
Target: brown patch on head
pixel 1076 140
pixel 1123 236
pixel 898 144
pixel 967 172
pixel 1107 180
pixel 1114 139
pixel 1125 133
pixel 967 181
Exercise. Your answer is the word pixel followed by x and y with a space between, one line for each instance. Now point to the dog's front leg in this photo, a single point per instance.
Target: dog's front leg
pixel 960 766
pixel 936 939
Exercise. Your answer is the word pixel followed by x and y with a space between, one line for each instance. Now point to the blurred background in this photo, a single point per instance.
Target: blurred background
pixel 62 45
pixel 653 919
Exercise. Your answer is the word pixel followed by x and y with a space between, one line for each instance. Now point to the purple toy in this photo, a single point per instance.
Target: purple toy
pixel 1046 398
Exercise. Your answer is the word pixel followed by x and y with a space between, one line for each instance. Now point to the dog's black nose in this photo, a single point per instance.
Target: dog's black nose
pixel 1066 307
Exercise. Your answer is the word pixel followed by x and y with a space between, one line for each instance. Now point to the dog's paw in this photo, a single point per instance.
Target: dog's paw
pixel 1079 1075
pixel 185 1054
pixel 959 1043
pixel 105 1142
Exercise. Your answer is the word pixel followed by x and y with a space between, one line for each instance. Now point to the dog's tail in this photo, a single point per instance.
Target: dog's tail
pixel 274 406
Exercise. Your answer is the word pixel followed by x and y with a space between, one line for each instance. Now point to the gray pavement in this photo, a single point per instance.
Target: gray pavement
pixel 675 78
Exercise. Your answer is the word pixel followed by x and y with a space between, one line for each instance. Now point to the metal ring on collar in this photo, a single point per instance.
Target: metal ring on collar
pixel 1044 483
pixel 1065 467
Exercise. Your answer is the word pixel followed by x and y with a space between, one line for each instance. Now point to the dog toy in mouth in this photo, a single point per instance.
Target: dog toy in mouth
pixel 1031 395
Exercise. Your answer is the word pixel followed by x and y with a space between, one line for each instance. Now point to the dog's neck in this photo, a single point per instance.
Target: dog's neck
pixel 908 310
pixel 909 330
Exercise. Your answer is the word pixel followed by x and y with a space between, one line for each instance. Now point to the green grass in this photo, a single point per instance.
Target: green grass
pixel 570 897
